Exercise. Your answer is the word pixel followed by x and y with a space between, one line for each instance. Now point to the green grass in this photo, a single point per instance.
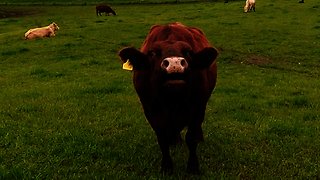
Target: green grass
pixel 94 2
pixel 68 110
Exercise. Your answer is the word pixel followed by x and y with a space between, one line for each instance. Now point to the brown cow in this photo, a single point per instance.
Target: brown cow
pixel 174 74
pixel 47 31
pixel 103 8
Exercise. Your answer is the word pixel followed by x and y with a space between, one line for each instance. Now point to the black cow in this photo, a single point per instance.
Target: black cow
pixel 103 8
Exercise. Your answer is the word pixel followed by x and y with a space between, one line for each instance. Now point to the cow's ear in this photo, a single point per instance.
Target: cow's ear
pixel 137 59
pixel 204 58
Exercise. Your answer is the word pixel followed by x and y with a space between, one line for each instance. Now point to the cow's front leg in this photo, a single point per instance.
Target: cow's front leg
pixel 192 143
pixel 166 163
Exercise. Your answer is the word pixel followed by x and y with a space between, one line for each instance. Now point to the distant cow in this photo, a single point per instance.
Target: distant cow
pixel 250 5
pixel 48 31
pixel 102 8
pixel 174 74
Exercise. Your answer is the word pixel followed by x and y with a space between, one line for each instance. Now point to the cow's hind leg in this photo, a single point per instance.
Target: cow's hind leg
pixel 166 163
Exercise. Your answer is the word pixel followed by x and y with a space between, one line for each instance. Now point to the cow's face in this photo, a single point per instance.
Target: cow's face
pixel 246 7
pixel 54 26
pixel 170 61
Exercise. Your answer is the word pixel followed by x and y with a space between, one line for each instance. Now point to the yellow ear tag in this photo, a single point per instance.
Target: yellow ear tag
pixel 127 66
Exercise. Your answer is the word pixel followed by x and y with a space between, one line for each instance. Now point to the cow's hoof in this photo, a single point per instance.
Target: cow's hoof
pixel 167 167
pixel 193 170
pixel 166 170
pixel 193 167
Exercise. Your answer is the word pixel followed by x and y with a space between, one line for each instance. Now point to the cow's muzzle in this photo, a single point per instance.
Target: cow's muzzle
pixel 174 65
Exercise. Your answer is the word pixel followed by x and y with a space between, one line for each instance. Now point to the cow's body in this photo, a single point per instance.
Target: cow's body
pixel 103 8
pixel 174 75
pixel 250 5
pixel 48 31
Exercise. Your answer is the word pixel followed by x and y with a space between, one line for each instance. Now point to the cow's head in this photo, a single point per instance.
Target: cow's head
pixel 246 7
pixel 172 60
pixel 54 26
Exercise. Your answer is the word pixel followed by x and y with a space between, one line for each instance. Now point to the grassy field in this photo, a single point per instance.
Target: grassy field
pixel 68 110
pixel 94 2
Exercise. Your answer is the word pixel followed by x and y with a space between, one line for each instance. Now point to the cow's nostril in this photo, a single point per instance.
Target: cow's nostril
pixel 165 63
pixel 184 63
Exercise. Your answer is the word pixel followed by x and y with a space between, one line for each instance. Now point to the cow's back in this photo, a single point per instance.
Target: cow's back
pixel 176 32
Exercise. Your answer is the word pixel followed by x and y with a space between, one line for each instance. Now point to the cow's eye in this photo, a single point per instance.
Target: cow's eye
pixel 186 53
pixel 153 54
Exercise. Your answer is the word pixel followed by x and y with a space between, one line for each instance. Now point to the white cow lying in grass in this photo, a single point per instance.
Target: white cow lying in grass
pixel 250 5
pixel 48 31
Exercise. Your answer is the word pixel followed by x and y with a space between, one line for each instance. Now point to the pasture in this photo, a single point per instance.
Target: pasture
pixel 68 110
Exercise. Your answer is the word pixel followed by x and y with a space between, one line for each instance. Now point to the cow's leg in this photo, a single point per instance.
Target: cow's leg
pixel 192 143
pixel 193 137
pixel 166 163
